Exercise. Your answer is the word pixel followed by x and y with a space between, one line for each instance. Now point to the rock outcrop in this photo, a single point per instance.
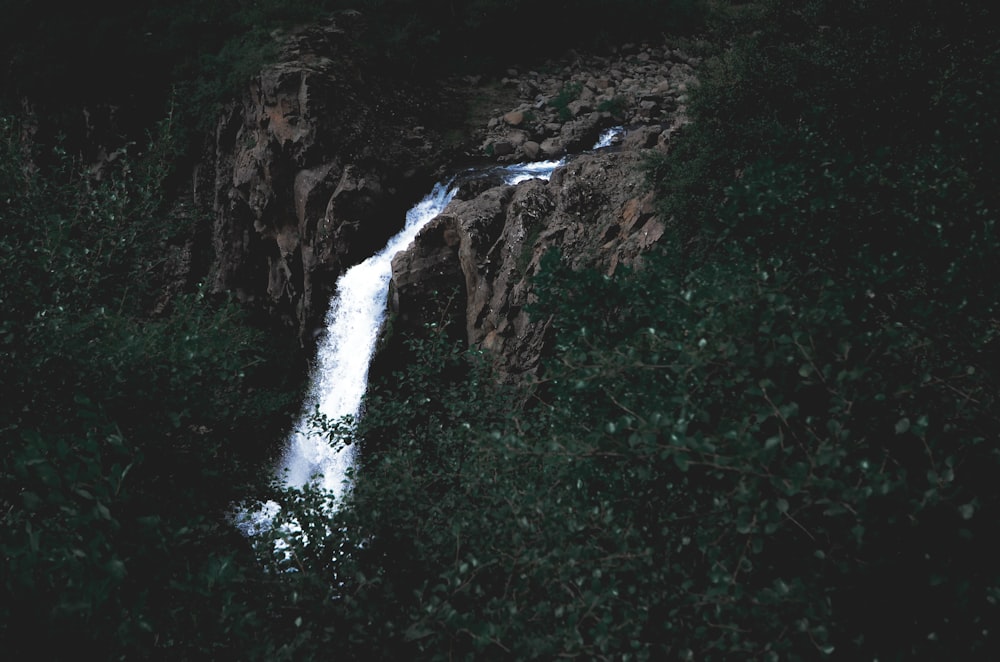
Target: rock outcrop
pixel 312 170
pixel 473 265
pixel 563 112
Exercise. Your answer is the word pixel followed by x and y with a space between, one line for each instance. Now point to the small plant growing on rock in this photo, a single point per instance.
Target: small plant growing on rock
pixel 615 106
pixel 568 93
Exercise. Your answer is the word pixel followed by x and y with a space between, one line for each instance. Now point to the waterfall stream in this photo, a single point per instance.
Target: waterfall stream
pixel 340 377
pixel 356 313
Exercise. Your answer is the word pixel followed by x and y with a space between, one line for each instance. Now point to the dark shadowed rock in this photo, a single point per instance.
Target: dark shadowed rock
pixel 314 166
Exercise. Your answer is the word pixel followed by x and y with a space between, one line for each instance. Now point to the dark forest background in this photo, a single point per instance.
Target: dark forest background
pixel 778 439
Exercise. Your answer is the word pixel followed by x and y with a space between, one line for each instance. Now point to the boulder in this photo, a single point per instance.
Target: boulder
pixel 502 148
pixel 642 137
pixel 514 118
pixel 552 148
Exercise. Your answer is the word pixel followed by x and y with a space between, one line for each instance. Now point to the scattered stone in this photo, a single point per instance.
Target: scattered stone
pixel 579 107
pixel 527 89
pixel 552 148
pixel 502 148
pixel 649 108
pixel 517 138
pixel 642 137
pixel 514 118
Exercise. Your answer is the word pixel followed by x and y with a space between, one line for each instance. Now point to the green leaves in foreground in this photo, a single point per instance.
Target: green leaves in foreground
pixel 125 431
pixel 729 465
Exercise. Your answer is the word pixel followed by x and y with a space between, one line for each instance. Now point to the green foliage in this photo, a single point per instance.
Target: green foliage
pixel 473 35
pixel 864 80
pixel 125 434
pixel 568 93
pixel 748 462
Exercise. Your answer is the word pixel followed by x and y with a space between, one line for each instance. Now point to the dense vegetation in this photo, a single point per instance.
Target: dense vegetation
pixel 131 415
pixel 775 440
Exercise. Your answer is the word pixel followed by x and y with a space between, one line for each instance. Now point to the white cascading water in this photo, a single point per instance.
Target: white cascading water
pixel 610 137
pixel 352 326
pixel 343 357
pixel 520 172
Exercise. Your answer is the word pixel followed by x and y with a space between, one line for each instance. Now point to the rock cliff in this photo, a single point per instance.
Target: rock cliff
pixel 311 170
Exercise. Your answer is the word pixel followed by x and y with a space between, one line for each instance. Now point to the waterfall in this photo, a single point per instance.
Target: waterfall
pixel 340 377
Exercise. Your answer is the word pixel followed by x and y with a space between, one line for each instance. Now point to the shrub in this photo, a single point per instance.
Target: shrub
pixel 568 93
pixel 125 433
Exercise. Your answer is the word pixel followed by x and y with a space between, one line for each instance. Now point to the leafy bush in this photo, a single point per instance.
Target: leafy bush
pixel 126 434
pixel 567 94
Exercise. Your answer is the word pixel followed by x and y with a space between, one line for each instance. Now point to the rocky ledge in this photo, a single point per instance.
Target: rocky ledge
pixel 563 111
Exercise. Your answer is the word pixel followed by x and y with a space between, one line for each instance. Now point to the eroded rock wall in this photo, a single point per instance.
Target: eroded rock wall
pixel 486 249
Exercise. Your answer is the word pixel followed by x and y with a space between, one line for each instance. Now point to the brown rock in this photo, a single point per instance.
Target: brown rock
pixel 517 138
pixel 579 107
pixel 514 118
pixel 288 217
pixel 552 148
